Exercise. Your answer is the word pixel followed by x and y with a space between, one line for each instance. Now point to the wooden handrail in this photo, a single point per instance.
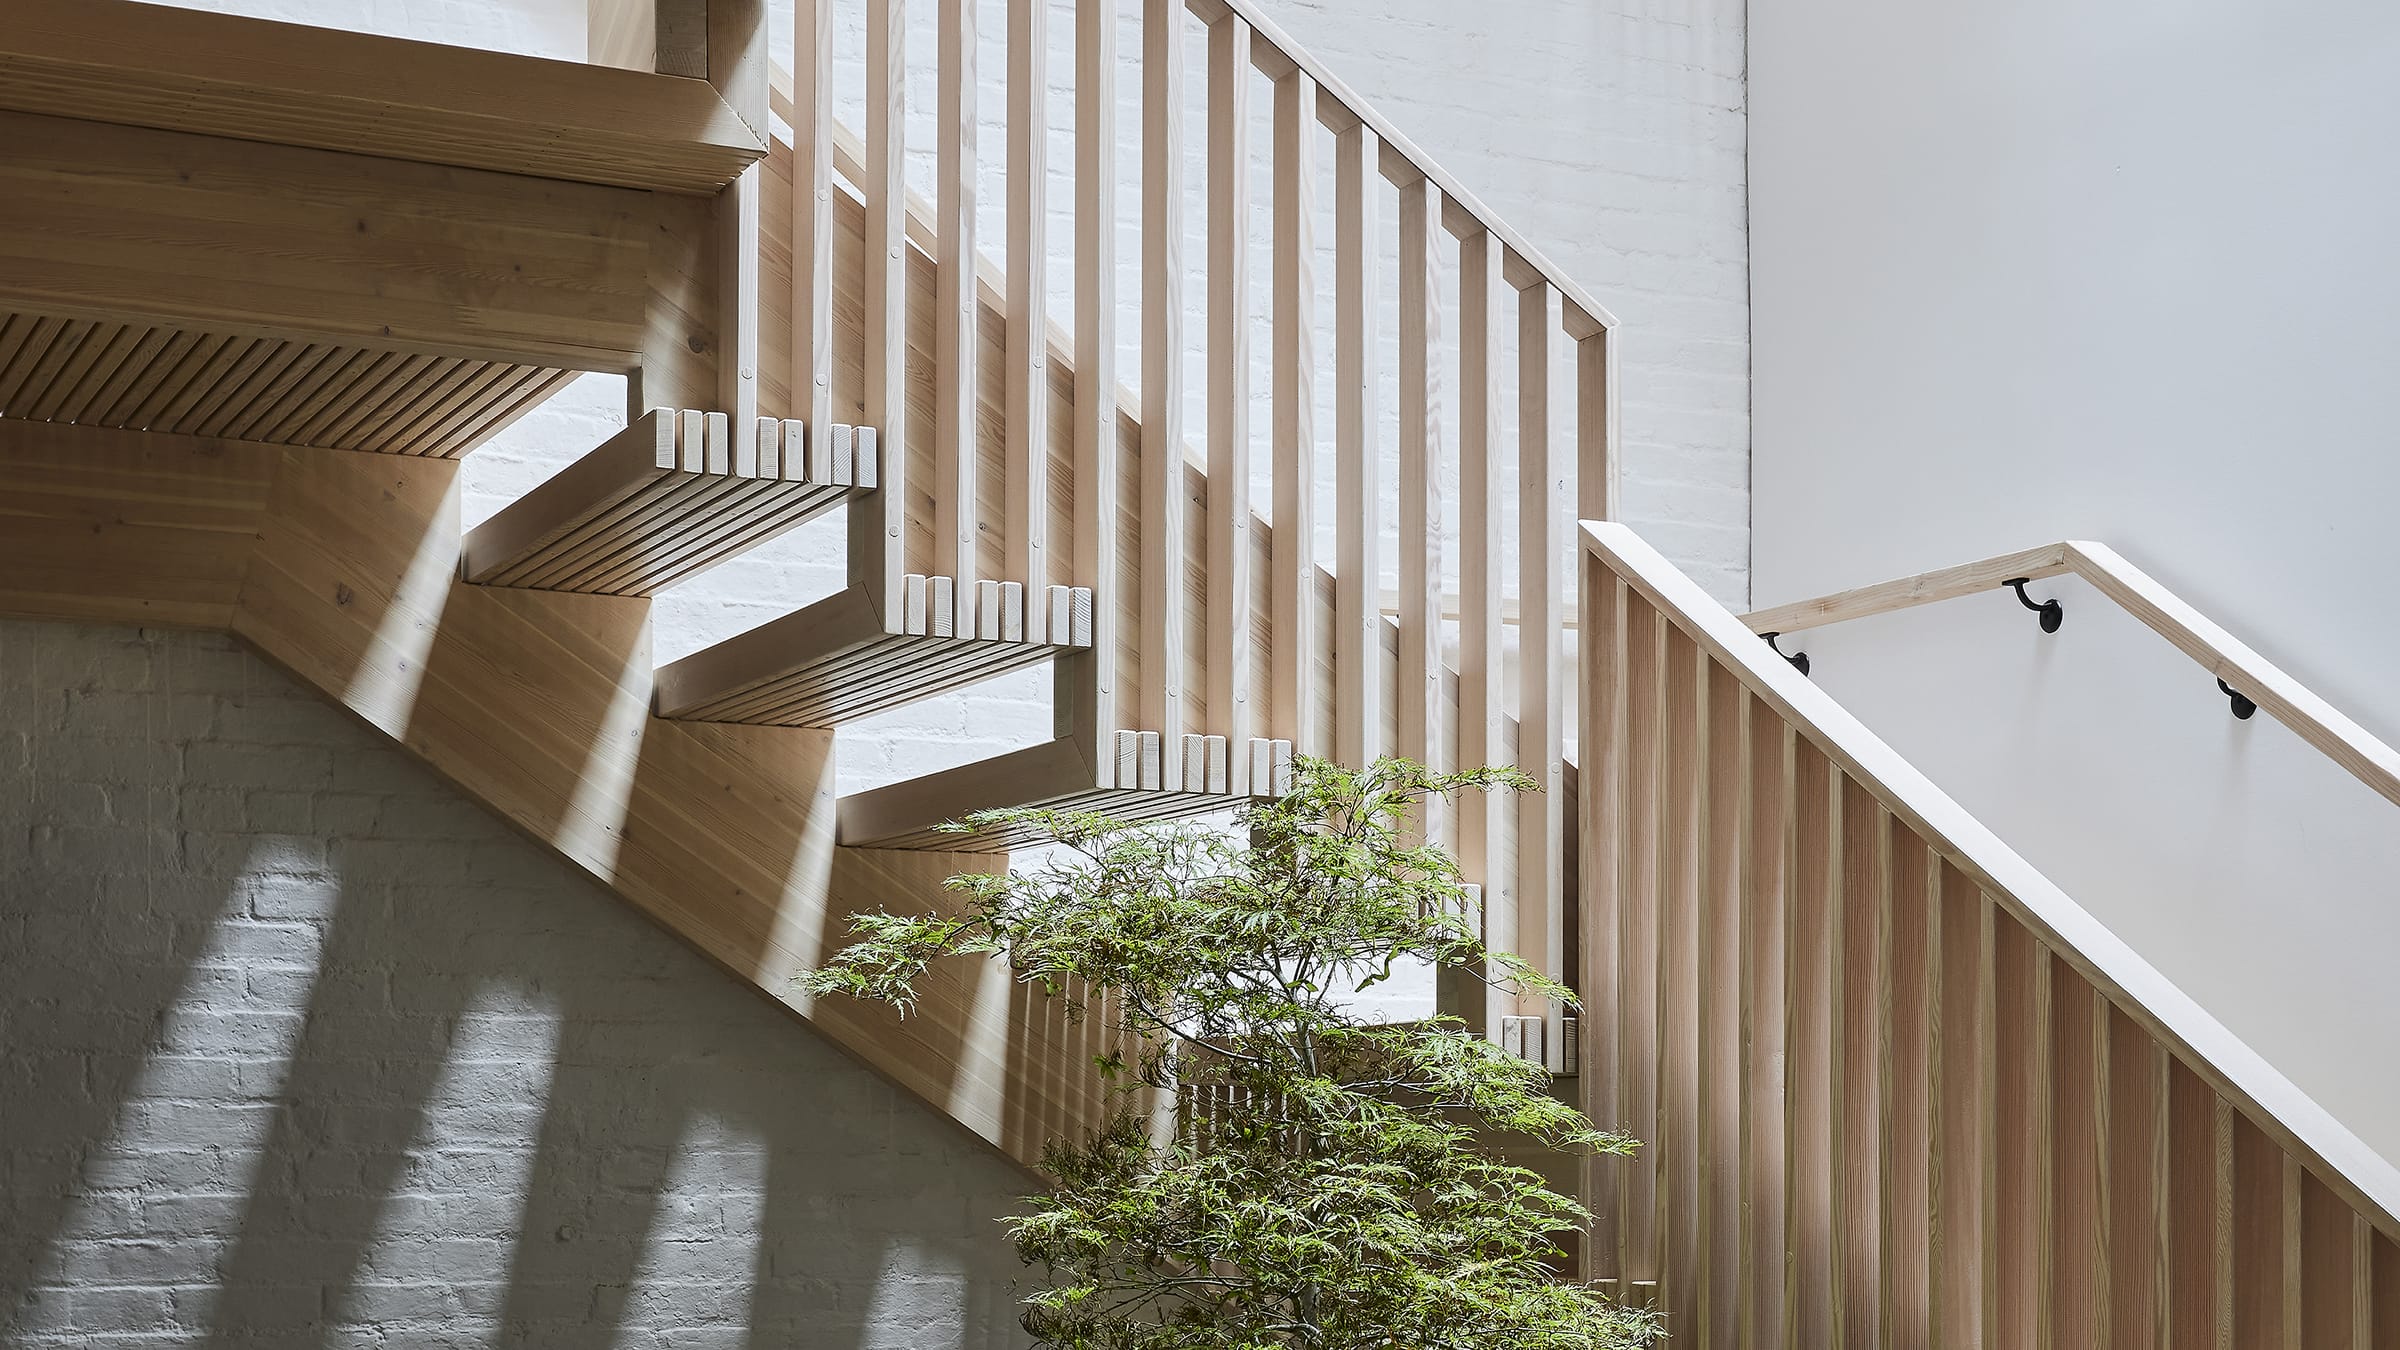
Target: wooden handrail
pixel 2218 652
pixel 1936 1093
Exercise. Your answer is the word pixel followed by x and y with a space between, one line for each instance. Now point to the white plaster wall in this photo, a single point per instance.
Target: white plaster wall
pixel 304 1049
pixel 2053 270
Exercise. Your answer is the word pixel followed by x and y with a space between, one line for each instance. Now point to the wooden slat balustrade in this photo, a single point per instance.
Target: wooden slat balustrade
pixel 1901 1090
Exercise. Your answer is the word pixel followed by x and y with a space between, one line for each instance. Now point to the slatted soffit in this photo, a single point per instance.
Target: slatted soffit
pixel 139 378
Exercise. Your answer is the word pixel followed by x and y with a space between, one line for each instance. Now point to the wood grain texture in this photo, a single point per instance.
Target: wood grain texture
pixel 1482 826
pixel 837 660
pixel 341 569
pixel 233 237
pixel 1541 662
pixel 1978 1119
pixel 1418 687
pixel 879 532
pixel 1052 776
pixel 1227 648
pixel 957 480
pixel 1358 477
pixel 1086 690
pixel 291 84
pixel 1025 485
pixel 124 527
pixel 141 377
pixel 1293 614
pixel 1164 620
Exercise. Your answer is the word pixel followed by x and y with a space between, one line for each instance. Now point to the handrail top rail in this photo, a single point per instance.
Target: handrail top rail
pixel 2292 703
pixel 1275 54
pixel 2364 1178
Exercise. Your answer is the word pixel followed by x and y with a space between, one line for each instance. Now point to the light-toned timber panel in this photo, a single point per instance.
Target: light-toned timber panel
pixel 2194 634
pixel 671 495
pixel 531 702
pixel 1965 1110
pixel 141 378
pixel 115 527
pixel 223 236
pixel 253 79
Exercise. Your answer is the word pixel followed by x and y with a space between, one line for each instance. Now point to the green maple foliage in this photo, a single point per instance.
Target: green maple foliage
pixel 1333 1194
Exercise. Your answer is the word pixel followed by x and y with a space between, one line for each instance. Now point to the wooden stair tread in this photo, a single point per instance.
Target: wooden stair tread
pixel 1054 776
pixel 671 495
pixel 838 660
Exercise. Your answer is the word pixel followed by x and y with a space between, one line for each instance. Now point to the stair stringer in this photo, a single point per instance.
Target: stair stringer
pixel 341 568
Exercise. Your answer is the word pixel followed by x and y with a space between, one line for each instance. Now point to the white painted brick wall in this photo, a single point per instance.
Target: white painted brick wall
pixel 302 1048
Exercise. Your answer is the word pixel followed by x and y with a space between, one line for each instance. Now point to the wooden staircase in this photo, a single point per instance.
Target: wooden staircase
pixel 803 334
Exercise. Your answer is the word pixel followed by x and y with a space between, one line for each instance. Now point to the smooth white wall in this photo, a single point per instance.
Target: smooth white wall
pixel 2050 269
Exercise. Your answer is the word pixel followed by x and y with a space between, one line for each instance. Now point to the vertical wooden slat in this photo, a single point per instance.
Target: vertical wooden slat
pixel 2329 1274
pixel 1603 842
pixel 1987 1123
pixel 1086 699
pixel 1419 690
pixel 1229 599
pixel 1540 744
pixel 1861 994
pixel 1358 469
pixel 2265 1211
pixel 1481 832
pixel 1292 653
pixel 812 217
pixel 2022 1149
pixel 1962 1118
pixel 1026 494
pixel 1810 994
pixel 1724 786
pixel 956 496
pixel 2383 1293
pixel 1638 929
pixel 1911 960
pixel 1675 1144
pixel 2362 1282
pixel 2079 1302
pixel 1162 513
pixel 1766 1254
pixel 1596 438
pixel 2139 1185
pixel 2200 1213
pixel 879 526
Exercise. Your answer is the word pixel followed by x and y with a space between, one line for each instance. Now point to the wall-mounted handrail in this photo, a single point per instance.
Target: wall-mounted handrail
pixel 2220 653
pixel 1874 1050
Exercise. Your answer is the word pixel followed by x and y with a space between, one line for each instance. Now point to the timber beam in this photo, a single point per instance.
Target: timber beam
pixel 249 79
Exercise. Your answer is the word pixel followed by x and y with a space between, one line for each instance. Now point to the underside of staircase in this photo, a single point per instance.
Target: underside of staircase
pixel 254 311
